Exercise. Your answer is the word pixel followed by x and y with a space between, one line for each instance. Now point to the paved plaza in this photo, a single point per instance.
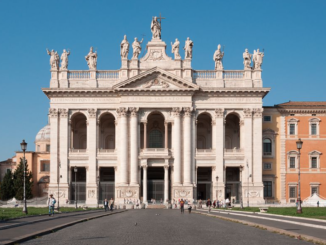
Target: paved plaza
pixel 162 227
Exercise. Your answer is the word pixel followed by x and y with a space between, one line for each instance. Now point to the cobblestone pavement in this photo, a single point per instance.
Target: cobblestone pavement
pixel 169 227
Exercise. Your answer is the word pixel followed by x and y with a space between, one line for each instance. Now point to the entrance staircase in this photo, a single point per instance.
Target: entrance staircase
pixel 156 206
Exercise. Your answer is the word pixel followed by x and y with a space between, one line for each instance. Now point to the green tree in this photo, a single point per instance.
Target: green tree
pixel 7 187
pixel 19 181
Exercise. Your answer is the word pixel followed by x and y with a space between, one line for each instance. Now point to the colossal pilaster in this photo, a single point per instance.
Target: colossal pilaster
pixel 123 151
pixel 187 146
pixel 133 146
pixel 177 146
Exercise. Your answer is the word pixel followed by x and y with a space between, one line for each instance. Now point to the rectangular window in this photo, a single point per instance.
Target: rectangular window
pixel 292 162
pixel 267 166
pixel 314 190
pixel 292 129
pixel 313 129
pixel 267 118
pixel 48 148
pixel 45 166
pixel 293 192
pixel 314 162
pixel 268 189
pixel 8 170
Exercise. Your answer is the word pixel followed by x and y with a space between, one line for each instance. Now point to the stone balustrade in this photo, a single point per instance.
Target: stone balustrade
pixel 233 74
pixel 78 75
pixel 107 75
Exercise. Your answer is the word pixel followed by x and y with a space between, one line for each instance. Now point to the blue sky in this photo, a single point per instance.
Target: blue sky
pixel 291 32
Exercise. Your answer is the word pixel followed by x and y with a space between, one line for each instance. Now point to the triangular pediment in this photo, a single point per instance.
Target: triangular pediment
pixel 156 79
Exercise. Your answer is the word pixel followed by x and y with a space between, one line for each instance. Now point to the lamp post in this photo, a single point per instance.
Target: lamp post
pixel 59 176
pixel 249 175
pixel 24 147
pixel 98 191
pixel 299 146
pixel 241 202
pixel 75 170
pixel 217 189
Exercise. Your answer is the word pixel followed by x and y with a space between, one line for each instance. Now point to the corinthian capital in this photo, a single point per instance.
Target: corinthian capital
pixel 176 111
pixel 122 111
pixel 53 112
pixel 258 112
pixel 133 111
pixel 247 112
pixel 219 112
pixel 92 112
pixel 63 113
pixel 187 111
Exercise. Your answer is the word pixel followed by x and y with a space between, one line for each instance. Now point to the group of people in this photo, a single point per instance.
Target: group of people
pixel 108 204
pixel 216 203
pixel 182 206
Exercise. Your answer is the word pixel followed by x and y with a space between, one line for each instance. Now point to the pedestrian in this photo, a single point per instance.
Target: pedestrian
pixel 200 203
pixel 189 208
pixel 218 203
pixel 227 202
pixel 137 204
pixel 111 203
pixel 182 206
pixel 51 203
pixel 209 205
pixel 106 204
pixel 214 204
pixel 317 204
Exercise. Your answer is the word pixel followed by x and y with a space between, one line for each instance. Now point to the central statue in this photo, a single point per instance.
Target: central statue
pixel 156 28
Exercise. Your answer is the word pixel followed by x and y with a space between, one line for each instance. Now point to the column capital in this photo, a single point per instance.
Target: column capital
pixel 219 112
pixel 176 111
pixel 144 167
pixel 166 167
pixel 133 111
pixel 122 111
pixel 53 112
pixel 91 112
pixel 258 112
pixel 187 111
pixel 63 113
pixel 247 112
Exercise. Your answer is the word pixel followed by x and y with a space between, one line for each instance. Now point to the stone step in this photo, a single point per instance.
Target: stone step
pixel 156 206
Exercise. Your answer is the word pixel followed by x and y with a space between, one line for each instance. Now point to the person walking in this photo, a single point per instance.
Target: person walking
pixel 51 203
pixel 182 206
pixel 111 203
pixel 209 205
pixel 106 204
pixel 189 208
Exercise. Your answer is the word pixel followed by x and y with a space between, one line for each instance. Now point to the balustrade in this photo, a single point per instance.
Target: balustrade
pixel 232 74
pixel 78 75
pixel 77 150
pixel 204 74
pixel 107 74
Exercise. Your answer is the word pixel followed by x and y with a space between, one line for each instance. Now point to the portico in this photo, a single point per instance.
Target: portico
pixel 156 128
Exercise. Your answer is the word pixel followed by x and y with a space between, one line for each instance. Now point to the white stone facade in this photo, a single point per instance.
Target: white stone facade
pixel 152 107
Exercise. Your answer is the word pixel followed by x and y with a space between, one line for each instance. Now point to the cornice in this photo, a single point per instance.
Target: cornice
pixel 301 111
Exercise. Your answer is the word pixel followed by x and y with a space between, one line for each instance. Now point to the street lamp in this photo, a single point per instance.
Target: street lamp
pixel 24 147
pixel 249 175
pixel 299 146
pixel 75 170
pixel 98 191
pixel 59 176
pixel 217 189
pixel 241 202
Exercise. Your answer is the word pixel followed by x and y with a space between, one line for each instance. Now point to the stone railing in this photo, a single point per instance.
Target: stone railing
pixel 107 75
pixel 106 150
pixel 234 150
pixel 153 150
pixel 204 74
pixel 78 75
pixel 232 74
pixel 205 150
pixel 77 150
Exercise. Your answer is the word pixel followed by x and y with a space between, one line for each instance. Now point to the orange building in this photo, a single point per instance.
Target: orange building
pixel 305 120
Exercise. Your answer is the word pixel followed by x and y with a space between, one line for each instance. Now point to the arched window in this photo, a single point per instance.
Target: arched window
pixel 155 139
pixel 267 147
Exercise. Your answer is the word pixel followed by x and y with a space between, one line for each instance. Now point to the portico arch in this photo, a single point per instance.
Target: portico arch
pixel 204 131
pixel 107 131
pixel 232 131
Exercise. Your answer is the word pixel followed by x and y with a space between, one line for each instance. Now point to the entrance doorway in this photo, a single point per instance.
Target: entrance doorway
pixel 155 185
pixel 204 183
pixel 78 187
pixel 233 185
pixel 107 178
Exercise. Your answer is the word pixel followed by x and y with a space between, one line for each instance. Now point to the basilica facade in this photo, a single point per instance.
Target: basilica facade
pixel 156 129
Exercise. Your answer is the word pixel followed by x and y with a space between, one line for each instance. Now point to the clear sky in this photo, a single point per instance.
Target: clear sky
pixel 292 33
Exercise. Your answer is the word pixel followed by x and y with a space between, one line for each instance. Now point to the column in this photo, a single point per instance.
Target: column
pixel 166 135
pixel 145 135
pixel 187 146
pixel 144 184
pixel 166 183
pixel 219 145
pixel 53 113
pixel 257 146
pixel 133 146
pixel 177 146
pixel 123 149
pixel 247 134
pixel 64 139
pixel 91 146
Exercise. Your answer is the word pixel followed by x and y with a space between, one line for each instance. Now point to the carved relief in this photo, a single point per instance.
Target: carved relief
pixel 122 111
pixel 176 111
pixel 53 112
pixel 156 84
pixel 63 113
pixel 92 112
pixel 247 112
pixel 258 112
pixel 219 112
pixel 91 193
pixel 181 193
pixel 133 111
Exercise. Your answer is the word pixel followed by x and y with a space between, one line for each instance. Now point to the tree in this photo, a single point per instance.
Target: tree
pixel 7 187
pixel 19 181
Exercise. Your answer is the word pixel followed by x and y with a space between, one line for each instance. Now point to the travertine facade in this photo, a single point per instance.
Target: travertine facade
pixel 165 130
